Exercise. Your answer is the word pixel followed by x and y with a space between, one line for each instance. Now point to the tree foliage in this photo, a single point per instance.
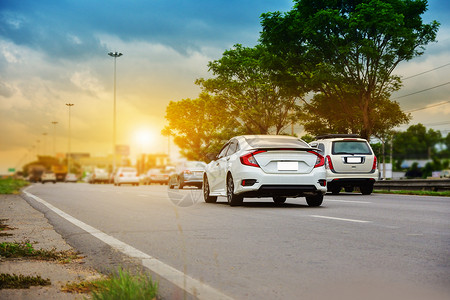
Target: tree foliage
pixel 246 85
pixel 199 126
pixel 416 143
pixel 345 51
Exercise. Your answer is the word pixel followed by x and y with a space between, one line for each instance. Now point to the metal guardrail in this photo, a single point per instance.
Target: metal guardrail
pixel 413 185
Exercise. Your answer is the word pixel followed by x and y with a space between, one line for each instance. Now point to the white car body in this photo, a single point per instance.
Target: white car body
pixel 349 162
pixel 48 177
pixel 126 175
pixel 266 166
pixel 70 177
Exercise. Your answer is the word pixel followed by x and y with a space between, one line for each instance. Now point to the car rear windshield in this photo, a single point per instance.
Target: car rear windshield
pixel 276 142
pixel 351 147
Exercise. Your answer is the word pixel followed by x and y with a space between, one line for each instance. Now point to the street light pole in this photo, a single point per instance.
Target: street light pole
pixel 68 154
pixel 115 55
pixel 54 138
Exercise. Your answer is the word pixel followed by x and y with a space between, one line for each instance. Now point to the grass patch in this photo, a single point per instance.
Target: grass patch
pixel 82 287
pixel 124 285
pixel 4 227
pixel 417 193
pixel 8 281
pixel 12 186
pixel 26 250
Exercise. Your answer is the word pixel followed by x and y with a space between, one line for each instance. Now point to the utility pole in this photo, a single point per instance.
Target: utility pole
pixel 115 55
pixel 68 153
pixel 54 138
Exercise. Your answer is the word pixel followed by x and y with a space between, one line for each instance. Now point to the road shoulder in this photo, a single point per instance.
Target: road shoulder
pixel 27 223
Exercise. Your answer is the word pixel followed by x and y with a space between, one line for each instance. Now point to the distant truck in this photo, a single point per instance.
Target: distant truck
pixel 35 172
pixel 60 172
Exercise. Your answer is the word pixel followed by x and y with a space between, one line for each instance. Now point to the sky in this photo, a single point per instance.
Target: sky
pixel 53 53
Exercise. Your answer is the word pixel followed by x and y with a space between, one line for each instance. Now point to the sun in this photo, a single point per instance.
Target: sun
pixel 144 137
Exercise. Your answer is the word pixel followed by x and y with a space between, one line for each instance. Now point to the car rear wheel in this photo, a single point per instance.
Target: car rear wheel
pixel 279 200
pixel 335 190
pixel 206 191
pixel 315 200
pixel 366 189
pixel 180 183
pixel 233 199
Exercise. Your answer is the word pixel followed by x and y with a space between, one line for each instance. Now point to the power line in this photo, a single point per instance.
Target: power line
pixel 422 90
pixel 426 71
pixel 428 106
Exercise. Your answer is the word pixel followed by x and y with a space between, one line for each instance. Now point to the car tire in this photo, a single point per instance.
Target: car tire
pixel 366 189
pixel 180 183
pixel 279 200
pixel 315 200
pixel 335 190
pixel 206 196
pixel 233 199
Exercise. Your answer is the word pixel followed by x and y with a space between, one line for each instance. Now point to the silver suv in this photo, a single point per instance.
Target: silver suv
pixel 349 161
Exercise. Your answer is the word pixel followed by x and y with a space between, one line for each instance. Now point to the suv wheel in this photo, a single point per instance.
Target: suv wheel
pixel 335 190
pixel 279 200
pixel 315 200
pixel 366 189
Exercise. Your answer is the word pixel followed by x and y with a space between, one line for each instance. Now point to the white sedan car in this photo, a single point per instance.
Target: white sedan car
pixel 126 175
pixel 266 166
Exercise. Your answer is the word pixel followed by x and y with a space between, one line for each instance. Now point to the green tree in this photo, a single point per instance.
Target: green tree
pixel 345 51
pixel 199 126
pixel 416 143
pixel 246 85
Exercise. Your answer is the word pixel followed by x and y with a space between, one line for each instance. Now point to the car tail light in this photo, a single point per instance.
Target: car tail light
pixel 187 172
pixel 249 159
pixel 320 161
pixel 329 164
pixel 374 166
pixel 120 175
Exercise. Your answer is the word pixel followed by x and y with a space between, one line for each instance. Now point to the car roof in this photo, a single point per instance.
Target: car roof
pixel 337 135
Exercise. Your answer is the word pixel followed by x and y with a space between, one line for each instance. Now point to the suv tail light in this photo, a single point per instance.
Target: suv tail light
pixel 374 166
pixel 249 159
pixel 329 164
pixel 320 161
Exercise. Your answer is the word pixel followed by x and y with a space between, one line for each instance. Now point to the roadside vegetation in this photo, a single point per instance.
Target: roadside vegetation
pixel 120 285
pixel 416 193
pixel 11 186
pixel 8 281
pixel 25 249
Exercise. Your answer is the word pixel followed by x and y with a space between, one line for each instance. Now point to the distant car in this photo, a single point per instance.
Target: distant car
pixel 349 161
pixel 273 166
pixel 48 176
pixel 99 176
pixel 126 175
pixel 70 177
pixel 187 173
pixel 445 174
pixel 156 176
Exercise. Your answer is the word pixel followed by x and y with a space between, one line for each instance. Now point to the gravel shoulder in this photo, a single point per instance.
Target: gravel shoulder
pixel 26 223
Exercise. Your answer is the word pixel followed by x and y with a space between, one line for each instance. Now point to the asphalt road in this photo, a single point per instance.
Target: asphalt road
pixel 353 246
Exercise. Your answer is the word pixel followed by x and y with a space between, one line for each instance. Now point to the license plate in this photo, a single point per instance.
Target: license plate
pixel 354 160
pixel 287 166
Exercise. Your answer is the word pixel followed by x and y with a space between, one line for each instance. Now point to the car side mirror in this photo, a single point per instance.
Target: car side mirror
pixel 211 156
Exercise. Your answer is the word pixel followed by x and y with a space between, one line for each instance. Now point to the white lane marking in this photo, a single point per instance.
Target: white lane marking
pixel 348 201
pixel 340 219
pixel 185 282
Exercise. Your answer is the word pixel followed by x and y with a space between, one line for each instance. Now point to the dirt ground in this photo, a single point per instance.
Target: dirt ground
pixel 26 223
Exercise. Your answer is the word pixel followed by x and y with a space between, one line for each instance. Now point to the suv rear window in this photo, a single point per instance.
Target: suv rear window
pixel 351 147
